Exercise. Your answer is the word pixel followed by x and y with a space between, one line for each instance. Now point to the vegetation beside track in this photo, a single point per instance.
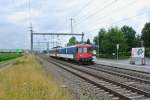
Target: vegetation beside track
pixel 26 80
pixel 9 56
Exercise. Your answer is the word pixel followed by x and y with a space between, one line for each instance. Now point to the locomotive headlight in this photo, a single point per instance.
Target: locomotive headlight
pixel 94 52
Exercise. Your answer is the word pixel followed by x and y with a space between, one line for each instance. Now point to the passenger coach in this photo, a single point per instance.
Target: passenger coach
pixel 79 53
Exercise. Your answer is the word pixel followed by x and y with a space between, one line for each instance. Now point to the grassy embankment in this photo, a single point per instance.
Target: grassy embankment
pixel 25 80
pixel 9 56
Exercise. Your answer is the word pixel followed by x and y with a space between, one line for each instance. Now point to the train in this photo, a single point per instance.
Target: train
pixel 80 53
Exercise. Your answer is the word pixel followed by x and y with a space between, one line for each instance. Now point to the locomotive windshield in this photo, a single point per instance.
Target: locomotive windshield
pixel 84 50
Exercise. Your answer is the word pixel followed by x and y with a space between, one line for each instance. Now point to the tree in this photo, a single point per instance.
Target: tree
pixel 102 33
pixel 146 35
pixel 111 38
pixel 130 37
pixel 138 40
pixel 88 41
pixel 97 39
pixel 72 41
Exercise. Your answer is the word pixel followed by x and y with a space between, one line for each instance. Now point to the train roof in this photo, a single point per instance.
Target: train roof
pixel 84 45
pixel 77 45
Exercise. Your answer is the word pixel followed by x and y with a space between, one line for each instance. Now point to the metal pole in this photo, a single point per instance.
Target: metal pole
pixel 38 46
pixel 117 54
pixel 31 38
pixel 53 41
pixel 98 45
pixel 47 47
pixel 71 25
pixel 142 59
pixel 82 37
pixel 117 46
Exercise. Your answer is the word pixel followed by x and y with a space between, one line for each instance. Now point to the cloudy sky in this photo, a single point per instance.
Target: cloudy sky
pixel 54 16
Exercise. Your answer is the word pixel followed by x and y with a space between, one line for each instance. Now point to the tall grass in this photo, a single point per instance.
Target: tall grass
pixel 25 80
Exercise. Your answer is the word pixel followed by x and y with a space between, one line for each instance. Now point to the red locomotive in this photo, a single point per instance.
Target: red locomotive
pixel 82 53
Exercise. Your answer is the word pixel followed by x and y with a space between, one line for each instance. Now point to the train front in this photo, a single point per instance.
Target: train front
pixel 85 54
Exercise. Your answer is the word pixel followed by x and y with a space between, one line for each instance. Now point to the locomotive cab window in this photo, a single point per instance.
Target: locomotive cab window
pixel 90 50
pixel 84 50
pixel 80 50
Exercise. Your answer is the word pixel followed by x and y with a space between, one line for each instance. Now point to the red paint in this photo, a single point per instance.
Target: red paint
pixel 83 55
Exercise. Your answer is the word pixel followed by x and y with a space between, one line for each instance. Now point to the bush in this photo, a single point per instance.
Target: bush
pixel 147 52
pixel 122 55
pixel 107 56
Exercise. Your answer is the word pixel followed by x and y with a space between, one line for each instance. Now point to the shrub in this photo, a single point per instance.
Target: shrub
pixel 122 55
pixel 147 52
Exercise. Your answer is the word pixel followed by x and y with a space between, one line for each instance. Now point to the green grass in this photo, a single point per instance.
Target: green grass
pixel 9 56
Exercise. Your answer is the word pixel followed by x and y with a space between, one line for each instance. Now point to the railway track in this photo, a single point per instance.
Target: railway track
pixel 137 79
pixel 117 89
pixel 135 73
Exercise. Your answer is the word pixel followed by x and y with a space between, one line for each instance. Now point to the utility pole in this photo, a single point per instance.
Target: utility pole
pixel 31 30
pixel 38 46
pixel 117 47
pixel 71 25
pixel 98 45
pixel 47 47
pixel 82 37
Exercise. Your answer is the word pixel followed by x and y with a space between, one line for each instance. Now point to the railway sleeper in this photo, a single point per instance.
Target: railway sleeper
pixel 124 92
pixel 115 98
pixel 120 89
pixel 137 97
pixel 147 99
pixel 130 94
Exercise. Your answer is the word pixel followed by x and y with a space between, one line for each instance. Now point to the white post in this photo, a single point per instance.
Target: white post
pixel 117 54
pixel 117 46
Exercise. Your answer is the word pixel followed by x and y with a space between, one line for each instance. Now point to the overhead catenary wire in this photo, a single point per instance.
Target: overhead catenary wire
pixel 94 12
pixel 86 5
pixel 82 9
pixel 120 20
pixel 116 10
pixel 100 10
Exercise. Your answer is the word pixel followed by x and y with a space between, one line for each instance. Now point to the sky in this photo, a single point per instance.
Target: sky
pixel 54 16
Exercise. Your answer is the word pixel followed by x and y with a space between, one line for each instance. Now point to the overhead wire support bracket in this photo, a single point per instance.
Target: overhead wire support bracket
pixel 57 34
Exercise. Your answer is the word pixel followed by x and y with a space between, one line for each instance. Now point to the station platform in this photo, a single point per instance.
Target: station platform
pixel 126 64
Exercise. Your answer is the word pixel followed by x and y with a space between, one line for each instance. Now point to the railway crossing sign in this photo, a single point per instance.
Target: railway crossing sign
pixel 138 52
